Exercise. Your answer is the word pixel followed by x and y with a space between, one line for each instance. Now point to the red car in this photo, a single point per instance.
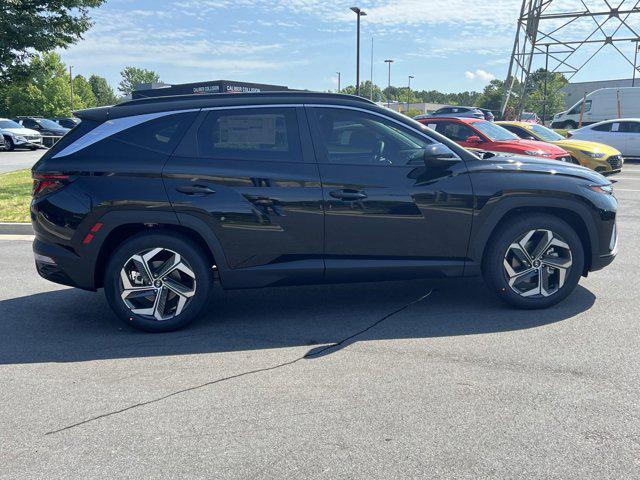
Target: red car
pixel 483 135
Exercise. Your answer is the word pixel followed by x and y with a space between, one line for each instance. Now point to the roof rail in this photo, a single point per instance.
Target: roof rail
pixel 209 96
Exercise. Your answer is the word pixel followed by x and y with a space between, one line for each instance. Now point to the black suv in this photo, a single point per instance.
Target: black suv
pixel 156 199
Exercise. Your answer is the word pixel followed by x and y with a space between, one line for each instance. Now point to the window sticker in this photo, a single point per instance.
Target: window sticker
pixel 248 129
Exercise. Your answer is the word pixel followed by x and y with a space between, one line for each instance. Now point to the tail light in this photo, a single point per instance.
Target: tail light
pixel 44 183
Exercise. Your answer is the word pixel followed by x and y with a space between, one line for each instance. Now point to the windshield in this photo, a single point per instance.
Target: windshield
pixel 9 124
pixel 46 123
pixel 546 134
pixel 495 132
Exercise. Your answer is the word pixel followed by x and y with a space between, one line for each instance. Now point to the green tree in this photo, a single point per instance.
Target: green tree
pixel 82 88
pixel 535 92
pixel 134 76
pixel 102 91
pixel 28 27
pixel 46 91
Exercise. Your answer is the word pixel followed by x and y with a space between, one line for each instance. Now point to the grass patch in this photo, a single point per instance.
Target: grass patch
pixel 15 196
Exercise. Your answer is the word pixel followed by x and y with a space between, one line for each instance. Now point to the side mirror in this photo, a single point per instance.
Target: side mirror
pixel 474 139
pixel 530 138
pixel 438 154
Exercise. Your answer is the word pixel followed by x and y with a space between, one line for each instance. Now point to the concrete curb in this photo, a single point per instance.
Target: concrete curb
pixel 16 229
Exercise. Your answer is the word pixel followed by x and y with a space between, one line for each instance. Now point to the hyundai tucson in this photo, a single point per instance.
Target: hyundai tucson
pixel 155 200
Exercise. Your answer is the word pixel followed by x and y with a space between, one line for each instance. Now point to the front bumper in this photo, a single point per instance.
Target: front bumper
pixel 29 142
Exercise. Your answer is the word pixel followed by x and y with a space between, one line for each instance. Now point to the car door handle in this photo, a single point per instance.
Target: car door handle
pixel 348 194
pixel 195 190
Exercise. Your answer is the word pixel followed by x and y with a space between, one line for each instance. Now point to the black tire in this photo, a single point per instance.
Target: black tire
pixel 570 125
pixel 197 261
pixel 9 145
pixel 33 148
pixel 495 274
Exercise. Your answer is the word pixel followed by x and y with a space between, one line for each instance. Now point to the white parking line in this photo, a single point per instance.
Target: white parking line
pixel 624 190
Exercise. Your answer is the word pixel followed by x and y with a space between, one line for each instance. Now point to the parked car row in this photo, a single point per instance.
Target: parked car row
pixel 525 138
pixel 33 132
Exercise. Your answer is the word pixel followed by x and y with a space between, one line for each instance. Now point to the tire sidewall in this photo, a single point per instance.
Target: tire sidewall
pixel 494 272
pixel 192 254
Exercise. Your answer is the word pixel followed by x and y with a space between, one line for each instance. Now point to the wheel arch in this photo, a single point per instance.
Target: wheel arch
pixel 572 212
pixel 122 227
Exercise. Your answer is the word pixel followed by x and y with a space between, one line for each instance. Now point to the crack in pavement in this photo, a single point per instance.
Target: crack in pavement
pixel 314 353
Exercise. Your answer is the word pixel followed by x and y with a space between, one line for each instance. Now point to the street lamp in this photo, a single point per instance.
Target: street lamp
pixel 635 60
pixel 409 93
pixel 338 81
pixel 389 61
pixel 359 13
pixel 71 84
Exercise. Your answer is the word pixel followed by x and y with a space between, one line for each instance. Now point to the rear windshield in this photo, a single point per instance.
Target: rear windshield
pixel 495 132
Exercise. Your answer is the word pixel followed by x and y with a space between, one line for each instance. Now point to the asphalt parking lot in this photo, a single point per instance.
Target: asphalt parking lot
pixel 421 380
pixel 19 159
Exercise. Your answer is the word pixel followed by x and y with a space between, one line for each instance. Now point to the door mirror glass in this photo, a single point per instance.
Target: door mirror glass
pixel 436 152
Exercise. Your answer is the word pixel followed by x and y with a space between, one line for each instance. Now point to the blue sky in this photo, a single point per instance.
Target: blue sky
pixel 449 45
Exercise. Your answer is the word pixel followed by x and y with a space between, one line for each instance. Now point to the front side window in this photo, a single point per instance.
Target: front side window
pixel 359 138
pixel 575 110
pixel 630 127
pixel 251 134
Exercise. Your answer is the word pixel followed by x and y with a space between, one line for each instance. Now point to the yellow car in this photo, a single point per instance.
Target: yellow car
pixel 596 156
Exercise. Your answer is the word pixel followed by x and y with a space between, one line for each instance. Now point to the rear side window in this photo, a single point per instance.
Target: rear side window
pixel 158 135
pixel 270 134
pixel 605 127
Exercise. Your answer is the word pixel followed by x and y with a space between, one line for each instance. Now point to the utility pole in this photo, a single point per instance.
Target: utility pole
pixel 71 84
pixel 359 13
pixel 389 61
pixel 409 94
pixel 339 89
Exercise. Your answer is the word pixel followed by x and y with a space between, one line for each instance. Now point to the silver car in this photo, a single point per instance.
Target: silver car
pixel 454 111
pixel 16 136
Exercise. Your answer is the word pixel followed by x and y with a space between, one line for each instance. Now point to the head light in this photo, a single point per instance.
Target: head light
pixel 594 154
pixel 537 153
pixel 20 138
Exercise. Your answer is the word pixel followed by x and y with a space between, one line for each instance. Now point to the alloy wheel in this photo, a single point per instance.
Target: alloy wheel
pixel 537 264
pixel 157 284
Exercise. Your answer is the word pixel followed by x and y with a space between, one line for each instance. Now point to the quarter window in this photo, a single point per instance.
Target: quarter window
pixel 251 134
pixel 158 135
pixel 359 138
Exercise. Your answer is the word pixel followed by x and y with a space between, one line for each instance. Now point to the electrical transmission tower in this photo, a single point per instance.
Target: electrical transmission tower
pixel 564 41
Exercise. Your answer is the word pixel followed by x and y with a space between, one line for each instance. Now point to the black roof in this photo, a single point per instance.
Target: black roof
pixel 186 102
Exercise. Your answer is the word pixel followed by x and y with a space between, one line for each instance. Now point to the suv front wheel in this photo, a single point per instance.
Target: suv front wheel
pixel 534 262
pixel 158 282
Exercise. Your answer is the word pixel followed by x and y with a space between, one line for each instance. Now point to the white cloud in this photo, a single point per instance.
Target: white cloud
pixel 479 74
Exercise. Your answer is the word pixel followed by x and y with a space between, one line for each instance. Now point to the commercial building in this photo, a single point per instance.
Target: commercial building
pixel 215 86
pixel 574 92
pixel 422 107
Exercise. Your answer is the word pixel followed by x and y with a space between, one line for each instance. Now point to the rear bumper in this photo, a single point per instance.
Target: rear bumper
pixel 59 265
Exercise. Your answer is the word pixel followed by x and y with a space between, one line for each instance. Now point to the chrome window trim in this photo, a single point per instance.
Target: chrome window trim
pixel 111 127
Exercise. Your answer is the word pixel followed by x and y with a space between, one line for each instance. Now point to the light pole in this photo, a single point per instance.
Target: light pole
pixel 409 94
pixel 359 13
pixel 635 60
pixel 338 81
pixel 389 61
pixel 71 84
pixel 371 78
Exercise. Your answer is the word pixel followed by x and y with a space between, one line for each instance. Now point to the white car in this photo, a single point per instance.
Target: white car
pixel 16 136
pixel 622 134
pixel 600 105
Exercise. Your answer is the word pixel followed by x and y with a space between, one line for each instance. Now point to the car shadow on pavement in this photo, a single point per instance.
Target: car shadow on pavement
pixel 72 325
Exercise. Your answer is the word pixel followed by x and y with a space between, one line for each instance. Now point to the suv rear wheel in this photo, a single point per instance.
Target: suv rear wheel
pixel 158 282
pixel 534 262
